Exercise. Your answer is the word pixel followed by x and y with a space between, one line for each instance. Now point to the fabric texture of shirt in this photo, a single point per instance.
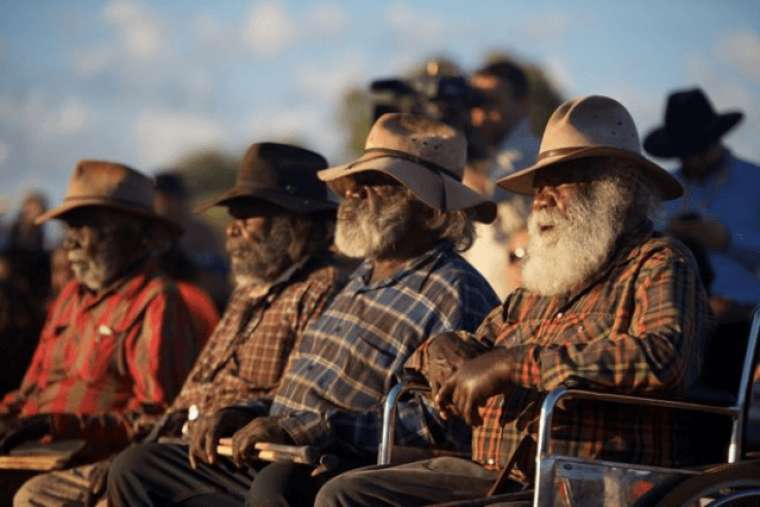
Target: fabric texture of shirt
pixel 637 328
pixel 118 355
pixel 729 196
pixel 249 349
pixel 332 394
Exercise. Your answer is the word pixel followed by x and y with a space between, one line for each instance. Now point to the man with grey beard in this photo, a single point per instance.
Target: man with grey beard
pixel 117 343
pixel 279 243
pixel 606 304
pixel 406 212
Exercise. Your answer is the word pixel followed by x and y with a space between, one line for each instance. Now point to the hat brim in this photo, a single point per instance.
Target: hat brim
pixel 659 142
pixel 72 204
pixel 424 183
pixel 290 202
pixel 521 181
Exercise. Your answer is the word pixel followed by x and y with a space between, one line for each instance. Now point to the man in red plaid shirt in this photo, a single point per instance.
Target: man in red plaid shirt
pixel 118 342
pixel 607 304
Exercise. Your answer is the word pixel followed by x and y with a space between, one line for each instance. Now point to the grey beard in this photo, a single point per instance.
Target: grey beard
pixel 362 233
pixel 263 260
pixel 579 245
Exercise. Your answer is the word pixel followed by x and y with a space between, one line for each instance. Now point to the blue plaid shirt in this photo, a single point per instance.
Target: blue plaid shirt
pixel 352 355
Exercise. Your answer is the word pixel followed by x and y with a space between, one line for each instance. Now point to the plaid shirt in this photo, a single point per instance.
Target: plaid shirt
pixel 351 356
pixel 247 353
pixel 638 327
pixel 122 353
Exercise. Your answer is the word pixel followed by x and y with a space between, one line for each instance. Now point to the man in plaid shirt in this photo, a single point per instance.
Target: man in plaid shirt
pixel 118 342
pixel 406 212
pixel 607 304
pixel 278 244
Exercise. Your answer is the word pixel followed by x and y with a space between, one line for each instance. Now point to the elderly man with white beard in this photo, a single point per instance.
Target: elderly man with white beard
pixel 607 304
pixel 406 212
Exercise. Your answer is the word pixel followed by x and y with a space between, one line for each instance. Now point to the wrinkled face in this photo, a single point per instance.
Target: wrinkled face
pixel 375 215
pixel 496 114
pixel 574 223
pixel 258 241
pixel 101 243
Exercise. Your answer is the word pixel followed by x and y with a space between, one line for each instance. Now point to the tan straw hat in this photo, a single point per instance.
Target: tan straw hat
pixel 592 126
pixel 426 156
pixel 109 185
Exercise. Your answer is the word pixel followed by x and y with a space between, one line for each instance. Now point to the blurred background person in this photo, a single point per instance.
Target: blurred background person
pixel 25 235
pixel 720 211
pixel 199 250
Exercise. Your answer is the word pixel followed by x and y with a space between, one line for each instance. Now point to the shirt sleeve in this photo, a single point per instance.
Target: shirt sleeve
pixel 660 352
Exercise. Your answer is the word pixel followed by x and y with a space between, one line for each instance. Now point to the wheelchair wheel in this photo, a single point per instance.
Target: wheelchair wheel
pixel 733 485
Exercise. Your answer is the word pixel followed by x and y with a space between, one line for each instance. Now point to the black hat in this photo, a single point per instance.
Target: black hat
pixel 691 125
pixel 282 175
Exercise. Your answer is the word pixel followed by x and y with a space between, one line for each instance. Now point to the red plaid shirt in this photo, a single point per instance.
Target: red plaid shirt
pixel 638 327
pixel 121 353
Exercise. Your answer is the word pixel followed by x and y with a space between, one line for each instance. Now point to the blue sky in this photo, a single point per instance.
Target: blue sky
pixel 144 82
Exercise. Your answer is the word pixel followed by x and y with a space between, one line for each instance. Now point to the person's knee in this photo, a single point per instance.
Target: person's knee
pixel 29 490
pixel 340 490
pixel 129 462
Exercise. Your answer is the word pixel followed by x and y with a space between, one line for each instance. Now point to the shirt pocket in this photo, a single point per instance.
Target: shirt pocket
pixel 101 355
pixel 579 328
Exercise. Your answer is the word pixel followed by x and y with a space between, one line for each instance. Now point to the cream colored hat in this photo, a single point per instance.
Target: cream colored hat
pixel 592 126
pixel 426 156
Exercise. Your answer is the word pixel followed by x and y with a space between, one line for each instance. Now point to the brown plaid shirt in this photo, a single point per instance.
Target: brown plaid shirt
pixel 638 327
pixel 249 349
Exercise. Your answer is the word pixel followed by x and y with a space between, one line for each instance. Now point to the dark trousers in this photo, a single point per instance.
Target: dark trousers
pixel 160 474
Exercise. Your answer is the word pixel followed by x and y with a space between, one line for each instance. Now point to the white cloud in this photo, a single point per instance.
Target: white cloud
pixel 560 75
pixel 42 118
pixel 163 136
pixel 140 31
pixel 269 29
pixel 327 18
pixel 92 61
pixel 742 50
pixel 346 69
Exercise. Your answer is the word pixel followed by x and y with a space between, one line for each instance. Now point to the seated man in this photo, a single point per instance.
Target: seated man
pixel 606 304
pixel 117 343
pixel 278 242
pixel 406 212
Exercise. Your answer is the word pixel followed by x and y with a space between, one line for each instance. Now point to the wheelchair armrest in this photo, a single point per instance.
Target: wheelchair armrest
pixel 410 382
pixel 302 454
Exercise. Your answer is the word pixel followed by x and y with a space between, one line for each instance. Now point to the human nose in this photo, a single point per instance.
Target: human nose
pixel 234 229
pixel 544 197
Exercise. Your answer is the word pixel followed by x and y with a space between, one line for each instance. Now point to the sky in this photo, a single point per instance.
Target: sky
pixel 146 82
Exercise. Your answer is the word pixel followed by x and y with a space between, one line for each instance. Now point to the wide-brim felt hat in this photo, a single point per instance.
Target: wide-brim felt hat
pixel 691 125
pixel 591 126
pixel 280 174
pixel 424 155
pixel 111 185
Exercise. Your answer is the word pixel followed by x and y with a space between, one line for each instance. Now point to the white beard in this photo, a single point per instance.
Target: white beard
pixel 362 232
pixel 578 245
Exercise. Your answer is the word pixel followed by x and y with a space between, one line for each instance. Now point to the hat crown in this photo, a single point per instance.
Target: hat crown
pixel 283 167
pixel 110 182
pixel 687 109
pixel 422 137
pixel 591 121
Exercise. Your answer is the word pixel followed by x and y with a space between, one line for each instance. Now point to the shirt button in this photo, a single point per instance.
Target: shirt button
pixel 559 315
pixel 491 461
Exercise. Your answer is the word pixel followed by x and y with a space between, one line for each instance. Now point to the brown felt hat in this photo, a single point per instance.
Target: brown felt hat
pixel 109 185
pixel 591 126
pixel 281 174
pixel 426 156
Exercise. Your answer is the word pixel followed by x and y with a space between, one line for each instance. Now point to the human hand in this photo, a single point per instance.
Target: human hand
pixel 24 429
pixel 708 232
pixel 473 383
pixel 445 353
pixel 205 431
pixel 261 429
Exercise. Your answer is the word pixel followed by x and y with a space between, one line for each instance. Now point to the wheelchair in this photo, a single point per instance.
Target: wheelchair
pixel 566 481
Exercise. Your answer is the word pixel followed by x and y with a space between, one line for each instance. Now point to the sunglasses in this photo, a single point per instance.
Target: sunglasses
pixel 516 255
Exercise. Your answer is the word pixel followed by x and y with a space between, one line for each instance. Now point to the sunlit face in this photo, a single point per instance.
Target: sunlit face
pixel 374 216
pixel 554 192
pixel 100 243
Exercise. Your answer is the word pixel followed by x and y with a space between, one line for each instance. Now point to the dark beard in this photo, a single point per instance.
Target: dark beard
pixel 262 259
